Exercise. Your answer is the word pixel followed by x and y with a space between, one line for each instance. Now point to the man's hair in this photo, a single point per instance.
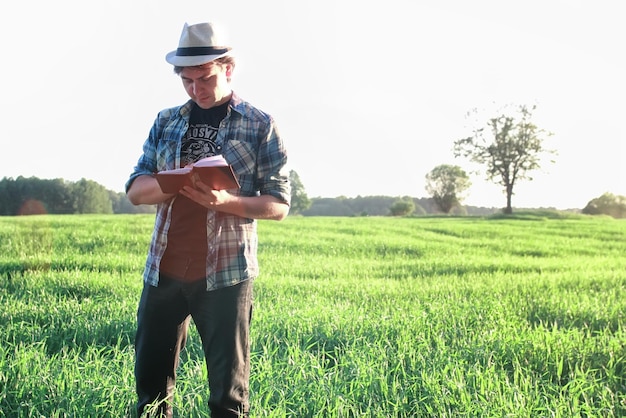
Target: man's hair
pixel 219 61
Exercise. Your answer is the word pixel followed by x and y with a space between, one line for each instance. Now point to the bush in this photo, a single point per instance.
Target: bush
pixel 607 204
pixel 402 207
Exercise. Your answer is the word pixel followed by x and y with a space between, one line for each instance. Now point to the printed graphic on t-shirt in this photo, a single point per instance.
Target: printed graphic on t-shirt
pixel 198 143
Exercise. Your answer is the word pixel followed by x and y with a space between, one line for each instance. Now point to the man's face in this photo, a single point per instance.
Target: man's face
pixel 207 85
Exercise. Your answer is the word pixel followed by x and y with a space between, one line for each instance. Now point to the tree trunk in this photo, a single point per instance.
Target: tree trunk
pixel 509 193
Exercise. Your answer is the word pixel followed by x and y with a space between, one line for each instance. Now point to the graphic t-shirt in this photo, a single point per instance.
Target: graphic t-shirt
pixel 185 256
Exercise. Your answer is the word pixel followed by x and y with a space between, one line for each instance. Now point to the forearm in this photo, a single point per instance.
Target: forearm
pixel 145 190
pixel 255 207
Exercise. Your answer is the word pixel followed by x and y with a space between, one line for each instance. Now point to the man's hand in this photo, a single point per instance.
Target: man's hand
pixel 254 207
pixel 207 197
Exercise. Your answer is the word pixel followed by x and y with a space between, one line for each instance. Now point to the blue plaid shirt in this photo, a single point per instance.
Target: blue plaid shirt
pixel 249 141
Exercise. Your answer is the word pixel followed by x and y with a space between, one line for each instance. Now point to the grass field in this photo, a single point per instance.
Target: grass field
pixel 354 317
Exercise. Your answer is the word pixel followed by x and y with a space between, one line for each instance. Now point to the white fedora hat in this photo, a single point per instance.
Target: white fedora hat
pixel 198 45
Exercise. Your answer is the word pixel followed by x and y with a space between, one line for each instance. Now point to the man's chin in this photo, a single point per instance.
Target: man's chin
pixel 205 104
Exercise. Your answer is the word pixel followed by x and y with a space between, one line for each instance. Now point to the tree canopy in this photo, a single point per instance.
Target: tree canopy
pixel 446 185
pixel 509 147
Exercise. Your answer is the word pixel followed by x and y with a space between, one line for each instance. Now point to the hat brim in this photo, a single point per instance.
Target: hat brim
pixel 191 60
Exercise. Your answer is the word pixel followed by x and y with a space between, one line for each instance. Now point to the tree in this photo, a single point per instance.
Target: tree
pixel 299 199
pixel 607 204
pixel 446 184
pixel 29 196
pixel 513 150
pixel 402 207
pixel 91 197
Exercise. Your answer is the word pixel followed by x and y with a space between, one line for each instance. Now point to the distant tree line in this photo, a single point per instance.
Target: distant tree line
pixel 33 196
pixel 386 206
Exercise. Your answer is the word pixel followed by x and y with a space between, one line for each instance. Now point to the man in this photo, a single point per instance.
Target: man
pixel 202 259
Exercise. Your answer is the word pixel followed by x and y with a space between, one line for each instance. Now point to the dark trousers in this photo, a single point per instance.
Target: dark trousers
pixel 222 318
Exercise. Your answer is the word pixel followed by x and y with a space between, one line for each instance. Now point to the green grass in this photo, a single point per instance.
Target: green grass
pixel 519 316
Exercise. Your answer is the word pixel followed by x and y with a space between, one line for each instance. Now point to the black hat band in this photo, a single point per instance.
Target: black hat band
pixel 200 50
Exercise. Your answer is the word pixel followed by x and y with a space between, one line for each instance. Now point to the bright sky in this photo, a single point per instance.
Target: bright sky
pixel 368 95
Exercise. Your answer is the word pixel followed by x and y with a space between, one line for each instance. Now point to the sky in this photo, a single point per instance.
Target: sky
pixel 369 96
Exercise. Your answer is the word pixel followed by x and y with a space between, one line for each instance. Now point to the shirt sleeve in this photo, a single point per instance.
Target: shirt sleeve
pixel 147 163
pixel 272 174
